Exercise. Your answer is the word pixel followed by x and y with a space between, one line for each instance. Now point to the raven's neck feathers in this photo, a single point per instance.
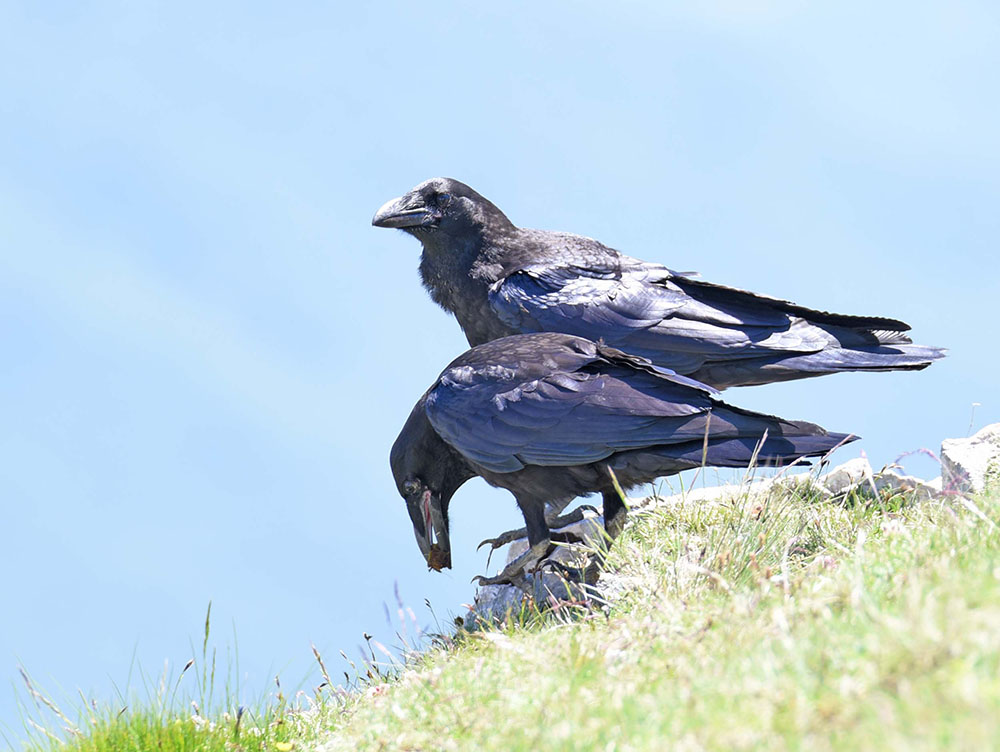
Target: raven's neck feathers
pixel 419 450
pixel 460 265
pixel 458 270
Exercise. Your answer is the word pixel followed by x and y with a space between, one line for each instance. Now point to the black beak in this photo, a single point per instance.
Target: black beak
pixel 405 211
pixel 430 527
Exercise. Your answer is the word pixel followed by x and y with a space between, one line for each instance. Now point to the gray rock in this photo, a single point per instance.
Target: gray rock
pixel 705 494
pixel 493 604
pixel 803 484
pixel 497 603
pixel 857 475
pixel 969 465
pixel 845 478
pixel 915 488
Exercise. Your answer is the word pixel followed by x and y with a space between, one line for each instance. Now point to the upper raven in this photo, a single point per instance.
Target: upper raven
pixel 499 279
pixel 551 417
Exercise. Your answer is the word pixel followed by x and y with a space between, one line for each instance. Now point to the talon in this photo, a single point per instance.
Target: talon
pixel 517 568
pixel 482 580
pixel 503 539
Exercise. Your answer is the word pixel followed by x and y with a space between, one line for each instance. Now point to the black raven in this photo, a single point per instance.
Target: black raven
pixel 499 279
pixel 551 417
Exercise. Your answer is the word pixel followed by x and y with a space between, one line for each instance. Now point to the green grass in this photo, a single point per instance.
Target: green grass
pixel 788 624
pixel 194 708
pixel 780 622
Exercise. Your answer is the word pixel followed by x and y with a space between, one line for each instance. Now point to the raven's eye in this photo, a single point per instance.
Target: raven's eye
pixel 410 487
pixel 444 198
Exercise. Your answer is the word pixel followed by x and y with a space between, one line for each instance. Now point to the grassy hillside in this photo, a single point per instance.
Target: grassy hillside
pixel 776 621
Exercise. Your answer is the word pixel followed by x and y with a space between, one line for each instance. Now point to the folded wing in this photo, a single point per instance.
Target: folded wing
pixel 503 421
pixel 692 326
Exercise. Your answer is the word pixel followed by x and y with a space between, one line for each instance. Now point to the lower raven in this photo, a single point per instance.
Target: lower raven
pixel 551 417
pixel 499 279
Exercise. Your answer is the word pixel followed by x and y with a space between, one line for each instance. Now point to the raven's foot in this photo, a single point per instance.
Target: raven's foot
pixel 554 523
pixel 526 562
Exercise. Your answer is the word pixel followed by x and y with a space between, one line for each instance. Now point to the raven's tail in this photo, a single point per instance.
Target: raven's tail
pixel 786 442
pixel 866 358
pixel 774 451
pixel 774 368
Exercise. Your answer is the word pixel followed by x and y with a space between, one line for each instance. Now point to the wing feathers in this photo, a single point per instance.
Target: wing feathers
pixel 580 416
pixel 689 325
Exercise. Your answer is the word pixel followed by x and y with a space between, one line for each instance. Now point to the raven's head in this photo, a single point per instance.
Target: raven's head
pixel 440 205
pixel 427 473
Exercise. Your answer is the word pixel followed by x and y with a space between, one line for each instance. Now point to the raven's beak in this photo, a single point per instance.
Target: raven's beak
pixel 430 527
pixel 405 211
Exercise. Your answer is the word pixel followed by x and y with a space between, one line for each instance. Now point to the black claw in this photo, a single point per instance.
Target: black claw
pixel 481 580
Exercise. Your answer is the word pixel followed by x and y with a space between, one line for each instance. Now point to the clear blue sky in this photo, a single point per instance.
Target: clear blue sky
pixel 208 350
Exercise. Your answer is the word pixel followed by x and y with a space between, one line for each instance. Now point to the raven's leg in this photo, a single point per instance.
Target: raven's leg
pixel 539 546
pixel 554 523
pixel 615 512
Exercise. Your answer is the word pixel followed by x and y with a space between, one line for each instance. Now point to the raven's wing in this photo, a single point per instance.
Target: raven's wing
pixel 503 422
pixel 673 319
pixel 733 297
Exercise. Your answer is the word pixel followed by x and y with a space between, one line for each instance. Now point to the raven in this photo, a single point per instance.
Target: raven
pixel 551 417
pixel 499 279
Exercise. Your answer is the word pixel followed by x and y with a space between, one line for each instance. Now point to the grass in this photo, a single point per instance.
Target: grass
pixel 194 709
pixel 785 623
pixel 778 622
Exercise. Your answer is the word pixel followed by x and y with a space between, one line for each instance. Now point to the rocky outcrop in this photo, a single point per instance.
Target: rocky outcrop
pixel 857 476
pixel 848 477
pixel 914 488
pixel 494 603
pixel 969 465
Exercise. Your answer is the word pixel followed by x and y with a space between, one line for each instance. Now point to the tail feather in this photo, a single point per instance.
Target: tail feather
pixel 865 358
pixel 881 357
pixel 775 451
pixel 890 337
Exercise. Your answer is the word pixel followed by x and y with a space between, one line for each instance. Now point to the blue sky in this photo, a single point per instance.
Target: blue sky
pixel 209 351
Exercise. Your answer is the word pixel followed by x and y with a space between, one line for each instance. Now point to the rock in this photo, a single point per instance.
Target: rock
pixel 857 475
pixel 801 483
pixel 697 495
pixel 495 603
pixel 917 489
pixel 805 484
pixel 969 465
pixel 845 478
